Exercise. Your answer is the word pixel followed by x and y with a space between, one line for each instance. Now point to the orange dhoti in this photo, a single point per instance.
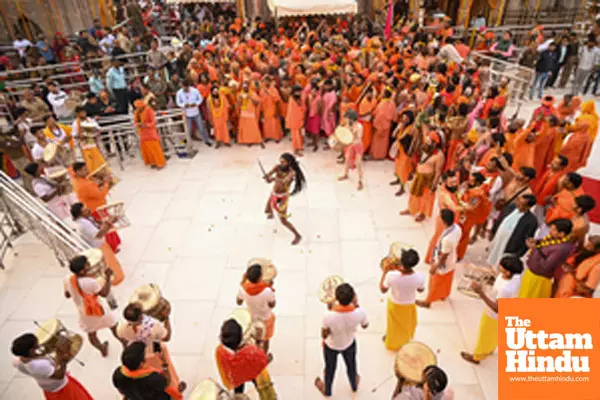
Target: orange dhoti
pixel 154 360
pixel 249 132
pixel 402 165
pixel 152 153
pixel 466 236
pixel 221 130
pixel 272 128
pixel 270 327
pixel 450 159
pixel 73 390
pixel 297 139
pixel 440 286
pixel 113 263
pixel 367 133
pixel 421 197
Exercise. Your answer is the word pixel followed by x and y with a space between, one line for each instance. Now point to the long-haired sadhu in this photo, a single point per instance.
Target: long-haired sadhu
pixel 283 174
pixel 145 121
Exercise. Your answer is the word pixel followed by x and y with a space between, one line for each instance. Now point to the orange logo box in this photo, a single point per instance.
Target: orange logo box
pixel 549 349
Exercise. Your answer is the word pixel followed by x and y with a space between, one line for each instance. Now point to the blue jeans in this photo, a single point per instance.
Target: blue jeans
pixel 199 125
pixel 540 81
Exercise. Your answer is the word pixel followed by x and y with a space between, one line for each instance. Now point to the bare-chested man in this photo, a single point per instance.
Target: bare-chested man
pixel 283 174
pixel 354 151
pixel 429 170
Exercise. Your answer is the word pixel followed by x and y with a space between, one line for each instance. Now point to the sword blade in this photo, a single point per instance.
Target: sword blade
pixel 262 169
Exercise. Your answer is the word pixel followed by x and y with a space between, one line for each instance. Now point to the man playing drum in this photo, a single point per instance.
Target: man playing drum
pixel 506 286
pixel 238 362
pixel 434 387
pixel 283 174
pixel 50 192
pixel 94 233
pixel 401 308
pixel 134 379
pixel 93 314
pixel 260 298
pixel 354 151
pixel 338 331
pixel 51 375
pixel 139 327
pixel 84 130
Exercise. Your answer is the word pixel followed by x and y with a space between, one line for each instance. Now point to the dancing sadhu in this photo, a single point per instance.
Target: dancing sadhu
pixel 283 174
pixel 354 151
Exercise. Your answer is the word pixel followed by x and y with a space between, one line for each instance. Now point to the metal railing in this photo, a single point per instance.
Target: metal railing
pixel 21 212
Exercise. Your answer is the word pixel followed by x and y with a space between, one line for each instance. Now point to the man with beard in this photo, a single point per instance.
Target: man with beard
pixel 520 184
pixel 476 208
pixel 248 129
pixel 516 224
pixel 428 172
pixel 218 108
pixel 547 185
pixel 283 174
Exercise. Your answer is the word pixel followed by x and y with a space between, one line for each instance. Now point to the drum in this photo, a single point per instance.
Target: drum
pixel 392 259
pixel 473 273
pixel 110 211
pixel 96 260
pixel 254 330
pixel 48 334
pixel 59 176
pixel 209 389
pixel 412 359
pixel 54 154
pixel 153 303
pixel 269 272
pixel 344 135
pixel 88 133
pixel 328 287
pixel 264 386
pixel 101 172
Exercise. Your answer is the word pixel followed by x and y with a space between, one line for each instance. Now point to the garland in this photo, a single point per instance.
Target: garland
pixel 550 241
pixel 219 110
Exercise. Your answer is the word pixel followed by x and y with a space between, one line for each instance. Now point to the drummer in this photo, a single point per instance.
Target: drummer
pixel 139 327
pixel 507 285
pixel 434 386
pixel 94 233
pixel 41 141
pixel 93 314
pixel 89 150
pixel 338 332
pixel 50 193
pixel 260 298
pixel 354 151
pixel 51 375
pixel 59 134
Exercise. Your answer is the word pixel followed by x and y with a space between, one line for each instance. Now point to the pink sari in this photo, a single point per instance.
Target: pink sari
pixel 328 121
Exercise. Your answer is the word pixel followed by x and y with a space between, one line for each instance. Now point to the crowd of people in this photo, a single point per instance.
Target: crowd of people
pixel 413 96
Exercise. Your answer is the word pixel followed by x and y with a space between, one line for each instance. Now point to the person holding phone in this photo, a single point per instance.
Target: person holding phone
pixel 139 327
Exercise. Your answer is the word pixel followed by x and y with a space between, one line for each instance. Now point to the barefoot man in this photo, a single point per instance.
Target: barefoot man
pixel 283 174
pixel 354 151
pixel 429 169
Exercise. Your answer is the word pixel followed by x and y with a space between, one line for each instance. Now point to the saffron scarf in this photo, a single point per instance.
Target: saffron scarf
pixel 91 306
pixel 146 371
pixel 255 288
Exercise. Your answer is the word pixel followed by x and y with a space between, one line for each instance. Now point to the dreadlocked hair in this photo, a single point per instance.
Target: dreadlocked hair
pixel 300 182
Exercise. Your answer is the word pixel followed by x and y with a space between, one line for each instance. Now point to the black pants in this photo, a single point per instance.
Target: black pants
pixel 121 98
pixel 331 356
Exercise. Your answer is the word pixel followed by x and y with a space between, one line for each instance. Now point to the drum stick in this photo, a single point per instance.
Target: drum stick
pixel 42 328
pixel 382 383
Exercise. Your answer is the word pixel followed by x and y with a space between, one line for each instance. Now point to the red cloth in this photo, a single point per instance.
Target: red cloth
pixel 241 366
pixel 112 238
pixel 592 187
pixel 72 391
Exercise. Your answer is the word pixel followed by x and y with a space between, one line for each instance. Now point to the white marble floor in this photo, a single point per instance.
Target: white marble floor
pixel 195 225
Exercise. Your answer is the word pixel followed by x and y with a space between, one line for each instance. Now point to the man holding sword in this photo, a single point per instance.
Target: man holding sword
pixel 283 174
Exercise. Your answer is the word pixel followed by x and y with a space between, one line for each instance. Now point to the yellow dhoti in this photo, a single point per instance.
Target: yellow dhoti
pixel 401 324
pixel 93 158
pixel 535 286
pixel 487 341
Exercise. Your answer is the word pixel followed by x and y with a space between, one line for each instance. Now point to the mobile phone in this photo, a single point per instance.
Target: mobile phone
pixel 156 347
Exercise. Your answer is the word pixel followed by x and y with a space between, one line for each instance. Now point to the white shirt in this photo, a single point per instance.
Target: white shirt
pixel 504 289
pixel 107 43
pixel 37 152
pixel 58 205
pixel 258 305
pixel 25 127
pixel 41 369
pixel 447 245
pixel 90 286
pixel 193 96
pixel 150 330
pixel 88 230
pixel 57 100
pixel 403 288
pixel 342 326
pixel 21 45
